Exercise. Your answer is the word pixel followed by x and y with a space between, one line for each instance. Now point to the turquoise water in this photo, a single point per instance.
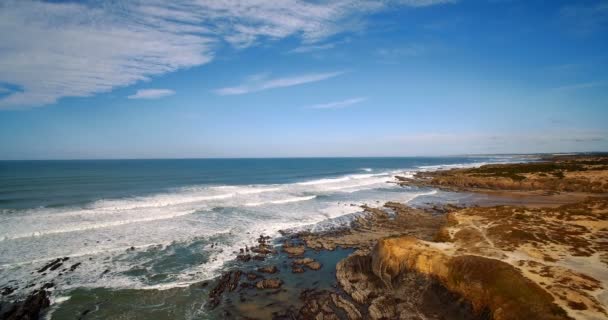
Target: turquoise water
pixel 166 224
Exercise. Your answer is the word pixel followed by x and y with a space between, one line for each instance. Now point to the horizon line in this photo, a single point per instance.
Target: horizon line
pixel 321 157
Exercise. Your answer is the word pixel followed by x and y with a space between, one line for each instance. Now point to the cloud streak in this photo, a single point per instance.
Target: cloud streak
pixel 57 49
pixel 152 94
pixel 338 104
pixel 262 82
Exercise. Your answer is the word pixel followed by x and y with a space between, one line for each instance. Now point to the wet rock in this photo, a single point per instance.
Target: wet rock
pixel 53 265
pixel 302 261
pixel 314 265
pixel 215 295
pixel 84 313
pixel 243 257
pixel 317 305
pixel 308 262
pixel 294 251
pixel 269 284
pixel 252 276
pixel 268 269
pixel 47 285
pixel 8 290
pixel 261 249
pixel 259 257
pixel 297 269
pixel 30 308
pixel 74 266
pixel 235 278
pixel 246 285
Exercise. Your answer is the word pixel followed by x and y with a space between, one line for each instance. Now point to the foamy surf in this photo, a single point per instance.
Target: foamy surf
pixel 133 236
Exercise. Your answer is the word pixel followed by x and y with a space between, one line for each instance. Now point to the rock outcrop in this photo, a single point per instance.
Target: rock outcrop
pixel 490 285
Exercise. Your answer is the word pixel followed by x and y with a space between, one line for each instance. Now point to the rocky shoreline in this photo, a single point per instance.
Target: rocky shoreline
pixel 490 258
pixel 477 261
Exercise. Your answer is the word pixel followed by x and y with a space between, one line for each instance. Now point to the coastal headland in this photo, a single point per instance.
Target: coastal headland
pixel 529 242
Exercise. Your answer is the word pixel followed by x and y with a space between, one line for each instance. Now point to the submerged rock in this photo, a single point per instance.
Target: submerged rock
pixel 308 262
pixel 297 269
pixel 268 269
pixel 269 284
pixel 30 308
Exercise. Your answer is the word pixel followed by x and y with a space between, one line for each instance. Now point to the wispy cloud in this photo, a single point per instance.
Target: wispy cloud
pixel 306 48
pixel 59 49
pixel 338 104
pixel 151 94
pixel 262 82
pixel 580 86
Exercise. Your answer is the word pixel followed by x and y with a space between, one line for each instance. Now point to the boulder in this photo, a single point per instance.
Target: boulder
pixel 269 284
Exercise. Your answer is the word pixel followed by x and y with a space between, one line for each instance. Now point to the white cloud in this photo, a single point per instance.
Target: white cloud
pixel 52 50
pixel 261 82
pixel 338 104
pixel 151 94
pixel 580 86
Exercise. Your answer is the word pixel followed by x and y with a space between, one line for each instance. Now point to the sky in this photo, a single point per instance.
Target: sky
pixel 259 78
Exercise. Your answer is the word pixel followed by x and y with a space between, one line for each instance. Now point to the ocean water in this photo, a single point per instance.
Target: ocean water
pixel 162 224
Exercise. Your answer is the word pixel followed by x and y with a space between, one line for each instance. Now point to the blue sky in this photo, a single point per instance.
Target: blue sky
pixel 294 78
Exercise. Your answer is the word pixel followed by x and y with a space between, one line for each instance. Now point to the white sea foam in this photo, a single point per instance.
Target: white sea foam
pixel 281 201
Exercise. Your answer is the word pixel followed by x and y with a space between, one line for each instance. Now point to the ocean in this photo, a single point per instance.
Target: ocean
pixel 163 224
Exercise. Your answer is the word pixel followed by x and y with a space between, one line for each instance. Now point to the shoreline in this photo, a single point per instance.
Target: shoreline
pixel 337 273
pixel 357 291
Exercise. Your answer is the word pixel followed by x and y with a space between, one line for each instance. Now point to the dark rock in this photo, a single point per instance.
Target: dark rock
pixel 53 264
pixel 234 282
pixel 243 257
pixel 30 308
pixel 74 266
pixel 8 290
pixel 252 276
pixel 261 249
pixel 268 269
pixel 47 285
pixel 215 294
pixel 259 257
pixel 228 281
pixel 297 269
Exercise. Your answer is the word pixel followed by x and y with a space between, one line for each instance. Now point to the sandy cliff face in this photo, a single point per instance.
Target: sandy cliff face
pixel 498 262
pixel 491 286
